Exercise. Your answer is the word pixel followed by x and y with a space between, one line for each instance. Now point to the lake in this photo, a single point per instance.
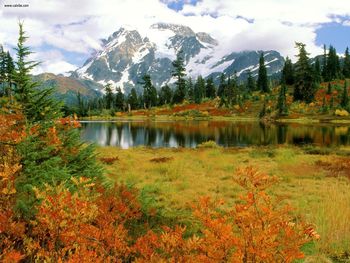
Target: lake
pixel 126 134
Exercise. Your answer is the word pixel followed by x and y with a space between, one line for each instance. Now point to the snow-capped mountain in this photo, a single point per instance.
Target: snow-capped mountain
pixel 127 55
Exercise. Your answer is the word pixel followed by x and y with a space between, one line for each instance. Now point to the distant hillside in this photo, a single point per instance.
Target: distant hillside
pixel 67 88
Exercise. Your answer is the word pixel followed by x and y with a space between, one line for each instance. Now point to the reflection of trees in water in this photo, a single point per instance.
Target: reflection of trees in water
pixel 189 134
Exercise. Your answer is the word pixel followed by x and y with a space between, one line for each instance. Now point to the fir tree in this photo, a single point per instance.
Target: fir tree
pixel 210 88
pixel 317 71
pixel 222 85
pixel 333 65
pixel 282 101
pixel 119 100
pixel 179 74
pixel 329 88
pixel 165 95
pixel 288 72
pixel 109 97
pixel 199 90
pixel 324 64
pixel 149 92
pixel 190 90
pixel 345 97
pixel 133 99
pixel 251 85
pixel 346 64
pixel 304 87
pixel 37 104
pixel 2 70
pixel 262 82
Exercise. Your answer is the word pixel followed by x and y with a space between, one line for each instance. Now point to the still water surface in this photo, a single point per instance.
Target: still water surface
pixel 128 134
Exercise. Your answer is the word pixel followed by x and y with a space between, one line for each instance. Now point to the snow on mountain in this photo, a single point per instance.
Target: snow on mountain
pixel 127 55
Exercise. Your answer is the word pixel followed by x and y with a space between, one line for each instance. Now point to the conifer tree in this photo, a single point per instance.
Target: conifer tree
pixel 165 95
pixel 333 65
pixel 346 64
pixel 119 100
pixel 304 87
pixel 2 70
pixel 149 92
pixel 222 84
pixel 282 101
pixel 317 71
pixel 37 104
pixel 199 90
pixel 262 82
pixel 251 85
pixel 133 99
pixel 210 88
pixel 52 152
pixel 345 97
pixel 179 74
pixel 329 88
pixel 324 64
pixel 109 96
pixel 288 72
pixel 190 90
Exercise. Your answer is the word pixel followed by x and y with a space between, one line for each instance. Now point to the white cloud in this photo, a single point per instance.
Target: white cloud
pixel 51 62
pixel 78 25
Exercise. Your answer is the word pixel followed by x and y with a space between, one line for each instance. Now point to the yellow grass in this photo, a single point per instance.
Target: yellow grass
pixel 190 173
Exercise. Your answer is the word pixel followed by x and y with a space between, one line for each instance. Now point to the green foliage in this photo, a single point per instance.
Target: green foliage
pixel 149 92
pixel 133 99
pixel 345 97
pixel 199 90
pixel 210 88
pixel 179 74
pixel 346 64
pixel 288 72
pixel 165 95
pixel 282 101
pixel 189 90
pixel 119 100
pixel 109 97
pixel 262 75
pixel 304 87
pixel 251 85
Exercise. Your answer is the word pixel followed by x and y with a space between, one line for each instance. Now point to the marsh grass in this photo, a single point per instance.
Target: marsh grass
pixel 173 186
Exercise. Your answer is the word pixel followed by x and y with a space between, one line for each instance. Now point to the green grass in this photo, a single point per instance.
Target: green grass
pixel 172 186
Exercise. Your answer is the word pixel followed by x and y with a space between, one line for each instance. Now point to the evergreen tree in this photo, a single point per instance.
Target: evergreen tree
pixel 119 100
pixel 133 99
pixel 288 72
pixel 304 87
pixel 210 88
pixel 262 75
pixel 199 90
pixel 222 85
pixel 324 65
pixel 317 71
pixel 329 88
pixel 149 92
pixel 282 101
pixel 2 70
pixel 345 97
pixel 179 74
pixel 81 111
pixel 51 153
pixel 190 90
pixel 109 97
pixel 346 64
pixel 165 95
pixel 251 85
pixel 333 65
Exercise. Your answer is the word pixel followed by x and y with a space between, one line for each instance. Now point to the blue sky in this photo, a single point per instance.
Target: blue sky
pixel 64 33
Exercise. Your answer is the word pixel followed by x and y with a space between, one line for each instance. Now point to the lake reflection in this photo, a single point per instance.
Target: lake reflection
pixel 191 133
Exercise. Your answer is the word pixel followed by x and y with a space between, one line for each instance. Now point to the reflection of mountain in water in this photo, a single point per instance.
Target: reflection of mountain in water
pixel 191 133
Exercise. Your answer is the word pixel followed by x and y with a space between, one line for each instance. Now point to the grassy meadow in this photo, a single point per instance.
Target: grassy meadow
pixel 315 182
